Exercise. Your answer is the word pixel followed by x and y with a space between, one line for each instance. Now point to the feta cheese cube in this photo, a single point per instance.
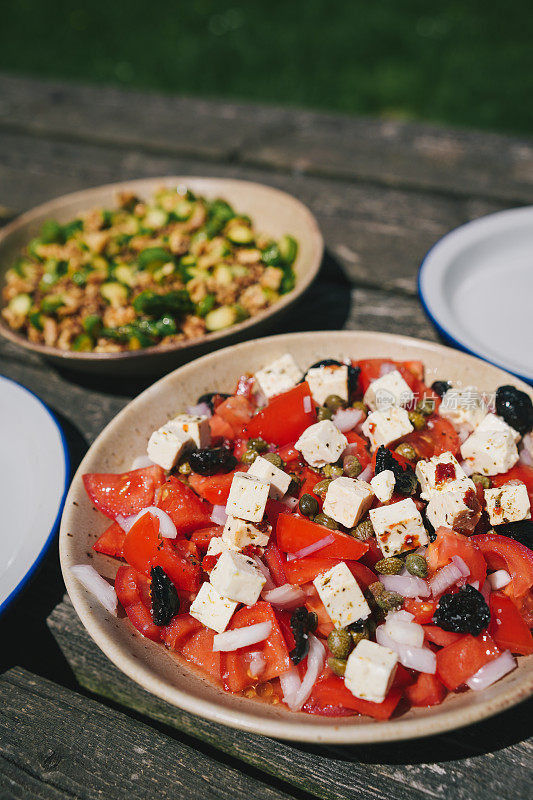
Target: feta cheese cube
pixel 238 534
pixel 237 577
pixel 167 445
pixel 389 390
pixel 398 527
pixel 197 427
pixel 279 376
pixel 247 497
pixel 218 545
pixel 321 443
pixel 463 407
pixel 508 503
pixel 383 485
pixel 278 479
pixel 212 609
pixel 490 453
pixel 347 500
pixel 341 595
pixel 324 381
pixel 494 423
pixel 370 671
pixel 452 509
pixel 385 427
pixel 441 473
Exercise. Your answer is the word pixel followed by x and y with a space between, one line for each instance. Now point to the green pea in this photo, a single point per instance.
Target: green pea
pixel 323 519
pixel 416 565
pixel 389 566
pixel 482 479
pixel 406 450
pixel 308 505
pixel 337 666
pixel 332 471
pixel 257 444
pixel 249 456
pixel 334 402
pixel 352 466
pixel 323 413
pixel 363 531
pixel 274 459
pixel 184 468
pixel 340 643
pixel 321 488
pixel 417 420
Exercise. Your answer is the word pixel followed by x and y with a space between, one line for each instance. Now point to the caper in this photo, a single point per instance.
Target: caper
pixel 389 601
pixel 308 505
pixel 416 565
pixel 340 643
pixel 360 406
pixel 323 413
pixel 484 480
pixel 295 485
pixel 249 456
pixel 274 459
pixel 337 666
pixel 363 531
pixel 352 466
pixel 334 402
pixel 389 566
pixel 184 468
pixel 321 488
pixel 358 636
pixel 376 589
pixel 417 420
pixel 257 444
pixel 328 522
pixel 426 406
pixel 406 450
pixel 332 471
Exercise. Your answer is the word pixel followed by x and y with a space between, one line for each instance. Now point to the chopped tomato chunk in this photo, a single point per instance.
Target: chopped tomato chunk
pixel 304 570
pixel 203 536
pixel 422 610
pixel 198 649
pixel 457 662
pixel 179 630
pixel 133 593
pixel 214 488
pixel 501 552
pixel 293 533
pixel 237 412
pixel 125 493
pixel 507 627
pixel 426 691
pixel 220 429
pixel 276 563
pixel 437 635
pixel 111 541
pixel 285 417
pixel 330 695
pixel 449 543
pixel 186 510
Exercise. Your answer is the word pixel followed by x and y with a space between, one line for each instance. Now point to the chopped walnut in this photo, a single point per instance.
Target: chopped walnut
pixel 97 240
pixel 248 256
pixel 253 299
pixel 197 289
pixel 127 200
pixel 115 317
pixel 196 219
pixel 193 327
pixel 271 278
pixel 50 331
pixel 178 241
pixel 105 346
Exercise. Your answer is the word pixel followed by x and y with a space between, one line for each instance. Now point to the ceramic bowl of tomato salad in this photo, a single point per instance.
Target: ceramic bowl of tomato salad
pixel 273 667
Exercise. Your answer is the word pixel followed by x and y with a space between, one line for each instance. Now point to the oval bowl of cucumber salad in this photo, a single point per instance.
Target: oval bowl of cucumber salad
pixel 321 537
pixel 138 277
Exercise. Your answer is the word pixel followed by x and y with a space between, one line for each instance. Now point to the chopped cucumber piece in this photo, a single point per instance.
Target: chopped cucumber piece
pixel 20 305
pixel 153 257
pixel 288 281
pixel 155 218
pixel 183 210
pixel 36 320
pixel 33 247
pixel 92 324
pixel 223 275
pixel 288 247
pixel 52 232
pixel 115 293
pixel 240 313
pixel 164 272
pixel 82 343
pixel 222 317
pixel 126 274
pixel 176 303
pixel 72 227
pixel 271 256
pixel 51 303
pixel 270 295
pixel 240 234
pixel 239 270
pixel 205 305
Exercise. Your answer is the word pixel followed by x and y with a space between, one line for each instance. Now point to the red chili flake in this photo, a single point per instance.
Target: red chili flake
pixel 444 472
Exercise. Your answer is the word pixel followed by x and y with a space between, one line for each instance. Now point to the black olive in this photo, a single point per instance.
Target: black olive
pixel 302 623
pixel 405 478
pixel 164 597
pixel 209 399
pixel 441 387
pixel 520 531
pixel 210 461
pixel 515 407
pixel 463 612
pixel 353 372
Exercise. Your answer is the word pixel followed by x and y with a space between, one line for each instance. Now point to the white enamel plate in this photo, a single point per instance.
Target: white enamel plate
pixel 476 285
pixel 34 470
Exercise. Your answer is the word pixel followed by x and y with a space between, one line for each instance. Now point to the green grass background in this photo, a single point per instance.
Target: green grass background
pixel 460 62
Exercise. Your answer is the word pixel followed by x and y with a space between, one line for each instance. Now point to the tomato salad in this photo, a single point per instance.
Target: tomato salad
pixel 345 540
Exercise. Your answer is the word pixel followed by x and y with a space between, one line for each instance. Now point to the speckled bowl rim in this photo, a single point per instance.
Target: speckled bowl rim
pixel 511 690
pixel 85 199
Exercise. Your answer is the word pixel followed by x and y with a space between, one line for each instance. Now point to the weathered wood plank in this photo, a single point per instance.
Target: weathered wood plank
pixel 55 743
pixel 378 234
pixel 463 163
pixel 489 757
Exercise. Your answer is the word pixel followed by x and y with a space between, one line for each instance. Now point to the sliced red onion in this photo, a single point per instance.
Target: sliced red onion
pixel 167 529
pixel 444 578
pixel 141 462
pixel 366 473
pixel 218 515
pixel 461 566
pixel 257 663
pixel 315 662
pixel 347 418
pixel 404 632
pixel 290 502
pixel 385 368
pixel 290 684
pixel 260 396
pixel 307 404
pixel 406 585
pixel 312 548
pixel 474 585
pixel 285 596
pixel 420 658
pixel 525 455
pixel 199 410
pixel 241 637
pixel 269 584
pixel 405 616
pixel 126 522
pixel 97 586
pixel 492 672
pixel 499 579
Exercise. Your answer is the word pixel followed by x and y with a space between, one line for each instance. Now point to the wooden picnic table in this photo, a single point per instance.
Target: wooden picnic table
pixel 71 725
